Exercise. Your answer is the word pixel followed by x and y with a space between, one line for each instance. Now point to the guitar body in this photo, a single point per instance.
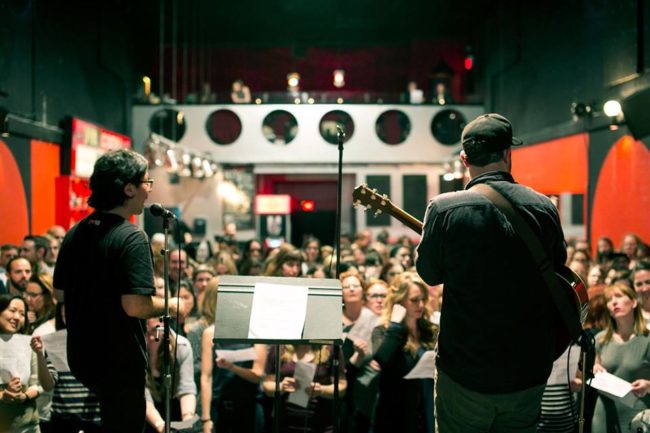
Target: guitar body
pixel 574 287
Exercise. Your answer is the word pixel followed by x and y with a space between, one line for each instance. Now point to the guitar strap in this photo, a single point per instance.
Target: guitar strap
pixel 563 302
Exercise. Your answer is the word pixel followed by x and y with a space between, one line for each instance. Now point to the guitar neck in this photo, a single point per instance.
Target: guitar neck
pixel 407 219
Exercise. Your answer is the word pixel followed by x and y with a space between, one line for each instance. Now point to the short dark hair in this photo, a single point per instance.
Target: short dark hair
pixel 112 172
pixel 481 159
pixel 7 247
pixel 13 259
pixel 40 242
pixel 641 265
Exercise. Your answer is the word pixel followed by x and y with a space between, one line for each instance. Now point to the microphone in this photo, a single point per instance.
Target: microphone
pixel 157 210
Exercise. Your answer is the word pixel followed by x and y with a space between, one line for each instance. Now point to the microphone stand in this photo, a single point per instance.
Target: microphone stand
pixel 167 378
pixel 587 360
pixel 335 362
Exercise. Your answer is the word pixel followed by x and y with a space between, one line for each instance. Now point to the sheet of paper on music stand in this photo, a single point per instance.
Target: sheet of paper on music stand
pixel 55 346
pixel 425 368
pixel 362 328
pixel 304 376
pixel 240 355
pixel 278 312
pixel 614 387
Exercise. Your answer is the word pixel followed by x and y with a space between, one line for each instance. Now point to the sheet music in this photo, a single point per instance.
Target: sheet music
pixel 304 375
pixel 240 355
pixel 362 328
pixel 55 345
pixel 278 312
pixel 425 368
pixel 15 357
pixel 614 387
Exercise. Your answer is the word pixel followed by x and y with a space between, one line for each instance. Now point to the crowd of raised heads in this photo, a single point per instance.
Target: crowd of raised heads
pixel 389 319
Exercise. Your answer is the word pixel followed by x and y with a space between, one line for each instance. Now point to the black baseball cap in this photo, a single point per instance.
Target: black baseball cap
pixel 488 133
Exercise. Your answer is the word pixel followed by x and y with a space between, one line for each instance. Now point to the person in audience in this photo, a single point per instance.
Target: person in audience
pixel 29 372
pixel 251 267
pixel 7 252
pixel 581 256
pixel 240 93
pixel 402 255
pixel 224 264
pixel 39 294
pixel 630 247
pixel 185 321
pixel 622 349
pixel 376 295
pixel 177 267
pixel 604 250
pixel 317 416
pixel 57 232
pixel 641 280
pixel 34 249
pixel 311 249
pixel 183 402
pixel 353 289
pixel 200 279
pixel 19 271
pixel 229 391
pixel 595 276
pixel 403 336
pixel 285 263
pixel 317 271
pixel 49 260
pixel 207 308
pixel 390 271
pixel 579 267
pixel 252 251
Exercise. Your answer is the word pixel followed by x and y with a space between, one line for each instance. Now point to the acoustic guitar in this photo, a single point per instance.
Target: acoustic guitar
pixel 573 285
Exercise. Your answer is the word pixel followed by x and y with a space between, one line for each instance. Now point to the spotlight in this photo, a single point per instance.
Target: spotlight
pixel 293 80
pixel 339 78
pixel 612 108
pixel 339 100
pixel 296 101
pixel 258 101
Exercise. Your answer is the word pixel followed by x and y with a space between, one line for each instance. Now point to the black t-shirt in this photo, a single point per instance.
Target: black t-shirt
pixel 102 258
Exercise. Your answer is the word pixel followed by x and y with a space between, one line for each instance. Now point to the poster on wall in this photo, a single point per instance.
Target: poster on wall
pixel 237 191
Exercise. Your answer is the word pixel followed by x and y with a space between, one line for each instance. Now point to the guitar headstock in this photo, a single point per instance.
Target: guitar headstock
pixel 363 195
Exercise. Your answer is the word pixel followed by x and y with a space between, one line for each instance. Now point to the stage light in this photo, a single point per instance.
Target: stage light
pixel 339 78
pixel 307 205
pixel 580 109
pixel 296 101
pixel 258 101
pixel 310 100
pixel 339 100
pixel 146 81
pixel 293 80
pixel 612 108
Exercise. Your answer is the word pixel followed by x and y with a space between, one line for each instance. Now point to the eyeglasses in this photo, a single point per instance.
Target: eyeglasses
pixel 149 182
pixel 377 296
pixel 641 283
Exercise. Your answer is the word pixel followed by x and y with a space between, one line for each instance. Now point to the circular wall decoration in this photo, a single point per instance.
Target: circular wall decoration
pixel 223 127
pixel 447 126
pixel 330 120
pixel 393 127
pixel 168 123
pixel 280 127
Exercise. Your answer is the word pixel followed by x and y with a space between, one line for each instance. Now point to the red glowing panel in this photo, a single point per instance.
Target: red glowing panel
pixel 307 205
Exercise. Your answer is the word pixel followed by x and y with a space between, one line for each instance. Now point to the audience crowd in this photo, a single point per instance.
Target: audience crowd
pixel 390 319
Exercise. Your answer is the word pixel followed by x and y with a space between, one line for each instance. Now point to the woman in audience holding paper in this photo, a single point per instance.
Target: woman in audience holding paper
pixel 404 405
pixel 230 390
pixel 622 349
pixel 183 403
pixel 23 369
pixel 306 404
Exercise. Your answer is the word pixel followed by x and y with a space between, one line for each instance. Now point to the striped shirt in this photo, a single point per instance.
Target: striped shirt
pixel 72 399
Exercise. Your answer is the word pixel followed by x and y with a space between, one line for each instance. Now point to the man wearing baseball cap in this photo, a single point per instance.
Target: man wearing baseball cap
pixel 496 344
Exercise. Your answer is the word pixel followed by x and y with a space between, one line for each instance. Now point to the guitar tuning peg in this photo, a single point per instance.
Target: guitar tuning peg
pixel 385 196
pixel 369 206
pixel 378 212
pixel 363 191
pixel 383 202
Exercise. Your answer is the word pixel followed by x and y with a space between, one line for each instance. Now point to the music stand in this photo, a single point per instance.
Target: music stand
pixel 322 320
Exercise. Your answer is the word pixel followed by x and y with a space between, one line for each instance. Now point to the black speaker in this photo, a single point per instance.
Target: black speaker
pixel 636 109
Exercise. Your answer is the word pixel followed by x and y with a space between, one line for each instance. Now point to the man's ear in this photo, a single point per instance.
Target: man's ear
pixel 463 158
pixel 129 190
